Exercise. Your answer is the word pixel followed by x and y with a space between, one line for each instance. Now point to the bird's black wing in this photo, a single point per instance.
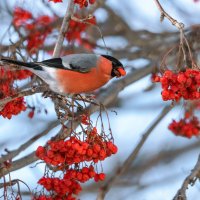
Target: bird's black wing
pixel 54 63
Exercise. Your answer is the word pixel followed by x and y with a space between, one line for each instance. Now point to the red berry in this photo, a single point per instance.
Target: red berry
pixel 181 78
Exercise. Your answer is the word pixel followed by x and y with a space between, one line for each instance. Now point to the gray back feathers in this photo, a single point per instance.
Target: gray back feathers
pixel 80 62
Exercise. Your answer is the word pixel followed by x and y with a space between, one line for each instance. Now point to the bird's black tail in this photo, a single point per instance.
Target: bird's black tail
pixel 20 63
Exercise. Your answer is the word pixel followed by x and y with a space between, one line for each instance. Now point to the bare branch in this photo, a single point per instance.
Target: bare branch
pixel 64 28
pixel 190 180
pixel 179 25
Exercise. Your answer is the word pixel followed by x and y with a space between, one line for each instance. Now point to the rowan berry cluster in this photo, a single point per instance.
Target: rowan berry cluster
pixel 7 78
pixel 85 119
pixel 68 156
pixel 179 85
pixel 13 108
pixel 76 28
pixel 61 188
pixel 21 17
pixel 84 174
pixel 70 183
pixel 186 127
pixel 39 28
pixel 74 151
pixel 21 74
pixel 84 3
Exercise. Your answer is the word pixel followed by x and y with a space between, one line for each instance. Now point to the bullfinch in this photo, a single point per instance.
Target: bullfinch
pixel 75 73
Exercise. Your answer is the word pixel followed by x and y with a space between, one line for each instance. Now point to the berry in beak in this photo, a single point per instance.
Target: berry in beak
pixel 119 72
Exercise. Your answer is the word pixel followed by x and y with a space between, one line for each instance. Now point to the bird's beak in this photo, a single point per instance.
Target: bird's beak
pixel 120 72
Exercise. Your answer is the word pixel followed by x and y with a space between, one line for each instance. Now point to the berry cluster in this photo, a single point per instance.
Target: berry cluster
pixel 7 78
pixel 68 156
pixel 70 184
pixel 21 74
pixel 61 187
pixel 75 30
pixel 75 151
pixel 21 17
pixel 84 3
pixel 84 174
pixel 186 127
pixel 85 119
pixel 37 29
pixel 13 108
pixel 175 86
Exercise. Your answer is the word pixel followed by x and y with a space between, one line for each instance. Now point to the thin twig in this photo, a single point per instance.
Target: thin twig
pixel 182 53
pixel 189 180
pixel 13 182
pixel 127 163
pixel 179 25
pixel 63 29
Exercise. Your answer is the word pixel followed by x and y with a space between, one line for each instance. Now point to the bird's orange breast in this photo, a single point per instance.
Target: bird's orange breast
pixel 73 82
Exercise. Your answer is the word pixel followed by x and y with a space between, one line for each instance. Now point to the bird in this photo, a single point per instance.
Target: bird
pixel 74 73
